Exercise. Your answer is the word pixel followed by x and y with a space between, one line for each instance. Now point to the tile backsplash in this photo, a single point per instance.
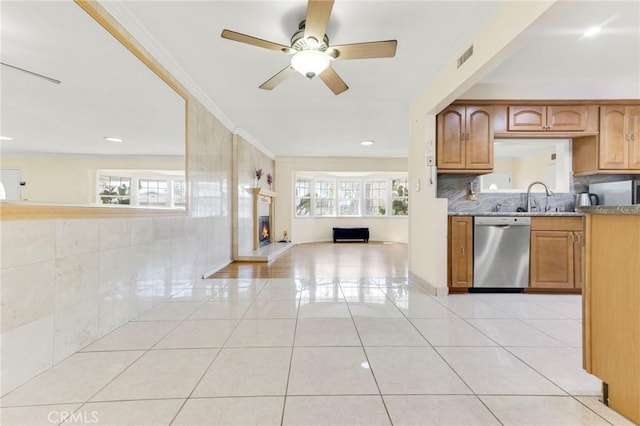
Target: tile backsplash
pixel 455 188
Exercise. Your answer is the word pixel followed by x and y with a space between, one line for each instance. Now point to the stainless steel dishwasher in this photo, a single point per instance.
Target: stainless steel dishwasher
pixel 501 251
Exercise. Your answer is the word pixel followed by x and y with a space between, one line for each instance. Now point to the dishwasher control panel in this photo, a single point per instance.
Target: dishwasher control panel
pixel 502 220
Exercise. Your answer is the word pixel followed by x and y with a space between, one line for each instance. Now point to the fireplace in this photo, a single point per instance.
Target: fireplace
pixel 264 231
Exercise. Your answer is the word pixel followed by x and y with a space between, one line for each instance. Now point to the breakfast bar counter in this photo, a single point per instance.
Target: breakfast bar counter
pixel 611 320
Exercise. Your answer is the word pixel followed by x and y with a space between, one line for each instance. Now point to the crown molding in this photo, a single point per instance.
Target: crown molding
pixel 137 30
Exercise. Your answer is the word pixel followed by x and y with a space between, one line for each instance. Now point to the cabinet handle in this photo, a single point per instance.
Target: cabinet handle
pixel 462 250
pixel 633 136
pixel 467 137
pixel 572 236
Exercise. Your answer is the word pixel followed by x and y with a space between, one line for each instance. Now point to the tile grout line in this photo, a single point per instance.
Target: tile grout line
pixel 215 356
pixel 293 345
pixel 384 404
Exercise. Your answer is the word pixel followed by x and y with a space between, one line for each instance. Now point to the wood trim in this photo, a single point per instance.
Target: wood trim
pixel 546 102
pixel 31 212
pixel 466 171
pixel 38 211
pixel 586 299
pixel 541 135
pixel 553 223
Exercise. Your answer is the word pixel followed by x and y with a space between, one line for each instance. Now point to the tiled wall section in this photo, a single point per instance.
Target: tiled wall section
pixel 249 158
pixel 66 283
pixel 455 187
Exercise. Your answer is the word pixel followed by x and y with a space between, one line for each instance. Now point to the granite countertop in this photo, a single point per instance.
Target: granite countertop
pixel 517 213
pixel 633 210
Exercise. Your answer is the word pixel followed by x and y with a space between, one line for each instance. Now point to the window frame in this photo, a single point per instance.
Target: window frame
pixel 337 181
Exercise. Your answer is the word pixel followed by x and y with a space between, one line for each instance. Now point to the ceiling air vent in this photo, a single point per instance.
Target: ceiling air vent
pixel 466 55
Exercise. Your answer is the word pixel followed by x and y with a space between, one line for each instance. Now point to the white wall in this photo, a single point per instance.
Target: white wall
pixel 310 229
pixel 302 230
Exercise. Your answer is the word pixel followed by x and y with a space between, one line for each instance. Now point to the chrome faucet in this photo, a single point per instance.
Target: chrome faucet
pixel 546 188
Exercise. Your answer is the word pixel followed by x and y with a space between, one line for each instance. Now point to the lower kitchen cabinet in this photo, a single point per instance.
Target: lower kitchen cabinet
pixel 556 253
pixel 460 252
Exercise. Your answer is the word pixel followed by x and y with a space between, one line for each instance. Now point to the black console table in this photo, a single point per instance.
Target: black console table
pixel 351 234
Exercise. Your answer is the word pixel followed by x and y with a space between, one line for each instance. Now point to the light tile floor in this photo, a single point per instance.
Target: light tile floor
pixel 331 352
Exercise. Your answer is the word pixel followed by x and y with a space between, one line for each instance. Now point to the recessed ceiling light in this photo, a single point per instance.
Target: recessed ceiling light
pixel 5 138
pixel 592 31
pixel 110 139
pixel 366 143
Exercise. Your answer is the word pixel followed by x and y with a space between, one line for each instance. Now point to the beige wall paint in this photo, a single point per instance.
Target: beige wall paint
pixel 72 179
pixel 502 35
pixel 308 229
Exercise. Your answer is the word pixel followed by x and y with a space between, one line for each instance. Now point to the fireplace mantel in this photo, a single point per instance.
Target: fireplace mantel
pixel 261 196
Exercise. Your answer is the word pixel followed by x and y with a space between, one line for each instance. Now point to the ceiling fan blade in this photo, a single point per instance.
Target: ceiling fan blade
pixel 333 81
pixel 318 13
pixel 277 79
pixel 253 41
pixel 373 49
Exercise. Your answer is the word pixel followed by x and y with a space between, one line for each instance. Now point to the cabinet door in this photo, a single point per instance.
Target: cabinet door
pixel 460 251
pixel 566 118
pixel 613 148
pixel 527 118
pixel 451 138
pixel 552 259
pixel 633 136
pixel 479 136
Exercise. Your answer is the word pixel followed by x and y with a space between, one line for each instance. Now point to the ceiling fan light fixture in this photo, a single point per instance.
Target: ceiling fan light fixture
pixel 310 62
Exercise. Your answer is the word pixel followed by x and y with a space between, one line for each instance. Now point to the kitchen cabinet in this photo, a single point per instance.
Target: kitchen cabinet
pixel 556 253
pixel 464 141
pixel 611 320
pixel 460 252
pixel 619 138
pixel 556 118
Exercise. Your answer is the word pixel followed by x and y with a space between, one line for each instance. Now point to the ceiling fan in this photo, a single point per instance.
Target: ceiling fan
pixel 312 53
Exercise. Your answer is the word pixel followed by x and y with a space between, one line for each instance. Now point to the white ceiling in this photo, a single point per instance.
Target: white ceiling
pixel 304 118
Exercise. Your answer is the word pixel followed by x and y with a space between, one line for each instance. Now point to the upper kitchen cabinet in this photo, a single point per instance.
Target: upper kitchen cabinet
pixel 616 149
pixel 465 139
pixel 619 137
pixel 538 118
pixel 543 119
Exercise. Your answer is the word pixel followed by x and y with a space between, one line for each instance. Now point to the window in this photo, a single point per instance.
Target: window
pixel 303 197
pixel 114 190
pixel 152 192
pixel 318 194
pixel 399 197
pixel 325 198
pixel 146 188
pixel 375 198
pixel 349 198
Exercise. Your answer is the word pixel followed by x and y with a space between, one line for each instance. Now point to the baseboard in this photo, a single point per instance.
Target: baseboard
pixel 216 269
pixel 427 286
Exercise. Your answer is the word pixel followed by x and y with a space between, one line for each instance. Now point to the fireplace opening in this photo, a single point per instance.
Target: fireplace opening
pixel 264 233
